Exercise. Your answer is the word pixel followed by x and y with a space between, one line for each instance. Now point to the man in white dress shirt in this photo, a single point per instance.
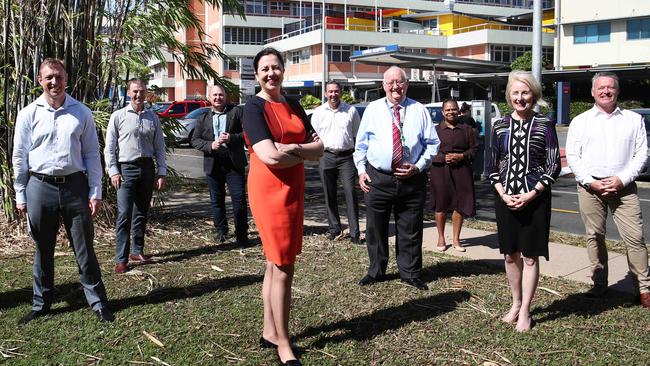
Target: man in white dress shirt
pixel 606 149
pixel 58 173
pixel 395 145
pixel 337 123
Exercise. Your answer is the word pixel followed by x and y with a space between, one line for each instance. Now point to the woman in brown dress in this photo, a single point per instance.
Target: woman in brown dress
pixel 280 138
pixel 452 183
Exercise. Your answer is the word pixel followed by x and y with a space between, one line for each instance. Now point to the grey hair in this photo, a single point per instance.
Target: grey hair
pixel 404 76
pixel 604 74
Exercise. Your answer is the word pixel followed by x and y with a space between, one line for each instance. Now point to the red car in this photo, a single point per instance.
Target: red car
pixel 178 109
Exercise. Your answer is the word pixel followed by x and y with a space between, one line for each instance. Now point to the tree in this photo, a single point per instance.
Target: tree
pixel 100 42
pixel 525 62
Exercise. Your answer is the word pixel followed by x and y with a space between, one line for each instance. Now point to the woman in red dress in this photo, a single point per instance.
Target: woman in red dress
pixel 280 138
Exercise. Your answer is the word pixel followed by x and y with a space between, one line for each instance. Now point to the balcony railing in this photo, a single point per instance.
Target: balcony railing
pixel 428 32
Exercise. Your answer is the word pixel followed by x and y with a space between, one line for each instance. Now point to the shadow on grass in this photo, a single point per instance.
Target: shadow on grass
pixel 164 294
pixel 181 255
pixel 374 324
pixel 22 296
pixel 580 305
pixel 449 269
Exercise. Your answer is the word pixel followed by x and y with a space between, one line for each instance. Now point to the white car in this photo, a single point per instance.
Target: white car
pixel 183 135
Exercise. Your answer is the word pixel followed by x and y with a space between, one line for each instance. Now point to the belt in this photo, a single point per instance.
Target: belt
pixel 56 179
pixel 139 161
pixel 340 152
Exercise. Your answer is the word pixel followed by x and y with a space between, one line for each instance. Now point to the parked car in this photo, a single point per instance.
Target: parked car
pixel 645 112
pixel 184 134
pixel 360 107
pixel 436 110
pixel 179 109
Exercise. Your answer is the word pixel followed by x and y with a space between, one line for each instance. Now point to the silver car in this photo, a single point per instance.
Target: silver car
pixel 184 134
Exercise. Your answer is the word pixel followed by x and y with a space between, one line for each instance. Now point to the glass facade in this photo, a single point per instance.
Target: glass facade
pixel 591 33
pixel 638 28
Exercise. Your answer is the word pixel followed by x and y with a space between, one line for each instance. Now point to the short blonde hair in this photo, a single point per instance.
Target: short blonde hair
pixel 527 78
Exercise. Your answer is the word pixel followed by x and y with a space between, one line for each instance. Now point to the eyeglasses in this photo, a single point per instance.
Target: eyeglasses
pixel 399 83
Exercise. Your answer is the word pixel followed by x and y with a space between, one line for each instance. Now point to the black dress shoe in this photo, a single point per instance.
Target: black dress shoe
pixel 33 315
pixel 596 291
pixel 104 315
pixel 220 238
pixel 332 236
pixel 415 282
pixel 291 363
pixel 368 279
pixel 265 343
pixel 355 240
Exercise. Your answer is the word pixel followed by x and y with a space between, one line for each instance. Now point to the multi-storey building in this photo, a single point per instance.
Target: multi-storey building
pixel 491 30
pixel 603 34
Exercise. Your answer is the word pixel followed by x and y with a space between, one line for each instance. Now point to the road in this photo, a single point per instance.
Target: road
pixel 565 217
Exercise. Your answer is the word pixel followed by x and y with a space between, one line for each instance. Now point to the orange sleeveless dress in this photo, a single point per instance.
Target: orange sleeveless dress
pixel 276 196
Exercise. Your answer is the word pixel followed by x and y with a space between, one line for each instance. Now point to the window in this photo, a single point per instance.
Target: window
pixel 177 108
pixel 413 50
pixel 279 6
pixel 430 23
pixel 638 28
pixel 305 54
pixel 231 64
pixel 256 7
pixel 193 106
pixel 591 33
pixel 338 53
pixel 241 35
pixel 506 53
pixel 294 57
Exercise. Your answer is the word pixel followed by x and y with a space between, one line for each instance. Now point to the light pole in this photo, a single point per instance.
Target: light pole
pixel 324 51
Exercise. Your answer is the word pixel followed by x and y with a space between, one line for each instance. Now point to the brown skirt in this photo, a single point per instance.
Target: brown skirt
pixel 452 189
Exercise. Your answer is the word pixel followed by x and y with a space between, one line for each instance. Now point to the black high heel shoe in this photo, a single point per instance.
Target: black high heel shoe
pixel 265 343
pixel 291 363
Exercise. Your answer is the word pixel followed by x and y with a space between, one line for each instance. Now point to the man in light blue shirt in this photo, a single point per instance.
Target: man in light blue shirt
pixel 58 174
pixel 134 139
pixel 395 145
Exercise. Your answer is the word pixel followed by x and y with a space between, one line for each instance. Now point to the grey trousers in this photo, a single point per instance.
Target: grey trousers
pixel 332 167
pixel 626 211
pixel 47 203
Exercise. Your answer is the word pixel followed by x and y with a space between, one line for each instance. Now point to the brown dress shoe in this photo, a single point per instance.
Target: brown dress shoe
pixel 121 268
pixel 645 300
pixel 139 258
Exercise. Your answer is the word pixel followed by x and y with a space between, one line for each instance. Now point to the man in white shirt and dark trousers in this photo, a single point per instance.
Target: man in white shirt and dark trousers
pixel 336 124
pixel 134 138
pixel 395 147
pixel 58 174
pixel 606 149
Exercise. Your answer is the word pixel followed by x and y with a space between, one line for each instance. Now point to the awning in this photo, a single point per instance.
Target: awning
pixel 391 55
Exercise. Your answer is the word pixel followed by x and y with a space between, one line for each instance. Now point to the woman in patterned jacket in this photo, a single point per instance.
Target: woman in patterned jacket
pixel 524 163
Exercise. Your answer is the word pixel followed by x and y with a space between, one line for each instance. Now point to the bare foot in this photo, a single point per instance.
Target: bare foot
pixel 512 315
pixel 523 324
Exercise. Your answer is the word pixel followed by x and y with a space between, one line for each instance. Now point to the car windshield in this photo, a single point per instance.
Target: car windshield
pixel 196 113
pixel 436 114
pixel 160 107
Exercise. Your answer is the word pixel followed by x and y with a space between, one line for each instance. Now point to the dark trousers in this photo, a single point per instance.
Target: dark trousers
pixel 46 204
pixel 133 202
pixel 331 167
pixel 405 199
pixel 223 174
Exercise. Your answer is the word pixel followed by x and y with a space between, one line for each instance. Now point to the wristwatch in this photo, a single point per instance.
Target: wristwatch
pixel 537 191
pixel 586 186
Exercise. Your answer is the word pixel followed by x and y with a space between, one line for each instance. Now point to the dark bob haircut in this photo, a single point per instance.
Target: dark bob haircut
pixel 265 52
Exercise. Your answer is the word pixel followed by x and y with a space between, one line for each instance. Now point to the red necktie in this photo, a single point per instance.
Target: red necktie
pixel 397 139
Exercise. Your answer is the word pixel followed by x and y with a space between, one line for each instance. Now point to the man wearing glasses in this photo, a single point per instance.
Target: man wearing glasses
pixel 395 145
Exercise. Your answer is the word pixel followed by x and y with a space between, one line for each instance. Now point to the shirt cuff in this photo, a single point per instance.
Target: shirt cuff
pixel 112 171
pixel 162 172
pixel 21 198
pixel 95 193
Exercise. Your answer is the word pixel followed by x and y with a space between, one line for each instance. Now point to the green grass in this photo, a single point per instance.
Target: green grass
pixel 202 302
